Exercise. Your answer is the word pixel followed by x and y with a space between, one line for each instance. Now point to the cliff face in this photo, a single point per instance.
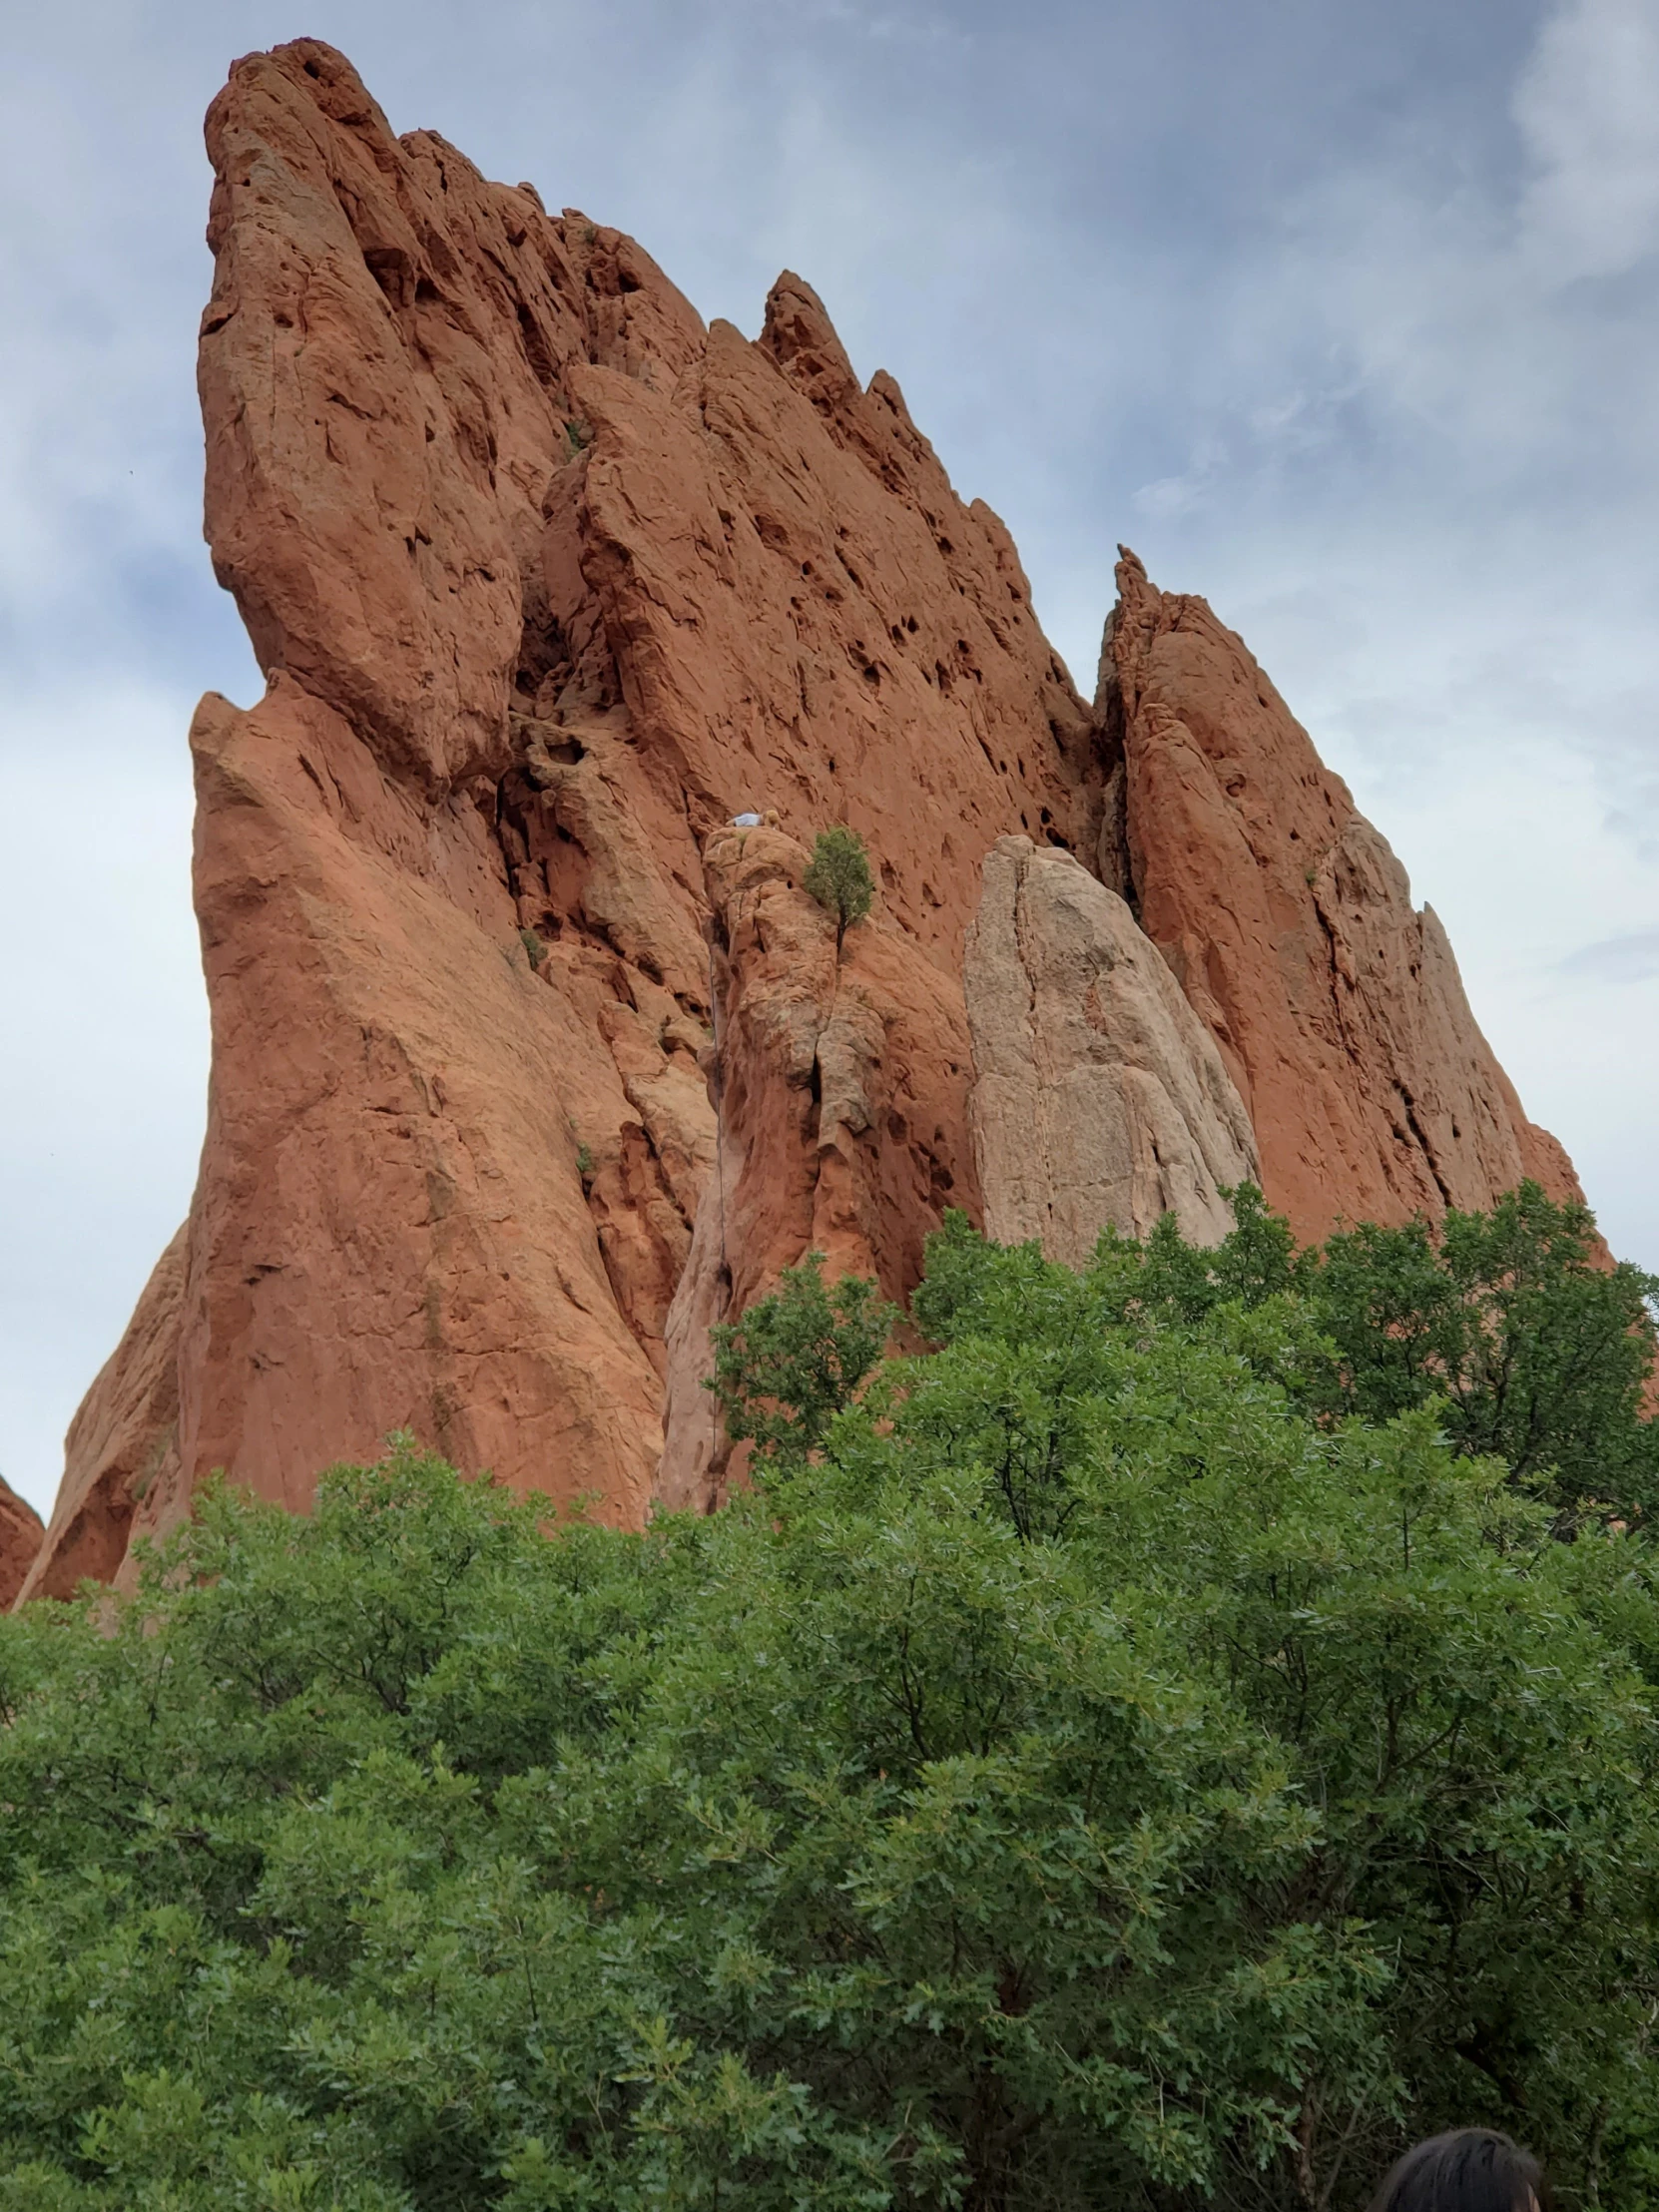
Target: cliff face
pixel 123 1435
pixel 1338 1010
pixel 548 582
pixel 526 1066
pixel 842 1087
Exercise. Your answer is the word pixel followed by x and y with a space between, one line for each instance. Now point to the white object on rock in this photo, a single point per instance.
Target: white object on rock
pixel 746 822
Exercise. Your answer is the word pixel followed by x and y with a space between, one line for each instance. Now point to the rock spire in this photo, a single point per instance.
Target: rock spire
pixel 526 1064
pixel 1289 923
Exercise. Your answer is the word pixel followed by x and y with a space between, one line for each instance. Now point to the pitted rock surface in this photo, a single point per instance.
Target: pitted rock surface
pixel 549 582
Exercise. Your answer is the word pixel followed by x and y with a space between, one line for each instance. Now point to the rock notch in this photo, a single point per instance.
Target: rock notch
pixel 549 582
pixel 842 1088
pixel 1099 1098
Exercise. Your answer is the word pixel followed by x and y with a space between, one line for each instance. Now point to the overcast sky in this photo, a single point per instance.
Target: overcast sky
pixel 1342 313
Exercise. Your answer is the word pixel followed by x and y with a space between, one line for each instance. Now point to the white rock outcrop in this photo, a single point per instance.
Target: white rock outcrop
pixel 1099 1096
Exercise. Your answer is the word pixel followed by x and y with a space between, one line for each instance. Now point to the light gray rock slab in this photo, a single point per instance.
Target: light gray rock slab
pixel 1099 1096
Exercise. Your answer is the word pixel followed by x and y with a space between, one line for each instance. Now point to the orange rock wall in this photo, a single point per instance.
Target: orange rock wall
pixel 548 581
pixel 844 1126
pixel 1289 923
pixel 525 1067
pixel 122 1445
pixel 20 1538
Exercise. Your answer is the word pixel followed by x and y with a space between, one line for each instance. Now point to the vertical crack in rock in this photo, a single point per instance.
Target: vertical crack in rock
pixel 844 1117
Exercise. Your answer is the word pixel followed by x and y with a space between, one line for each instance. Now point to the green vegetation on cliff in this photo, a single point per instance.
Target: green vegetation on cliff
pixel 839 877
pixel 1141 1754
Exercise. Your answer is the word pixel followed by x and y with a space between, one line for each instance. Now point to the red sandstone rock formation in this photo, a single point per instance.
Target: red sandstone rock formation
pixel 1289 923
pixel 844 1090
pixel 548 583
pixel 19 1538
pixel 121 1439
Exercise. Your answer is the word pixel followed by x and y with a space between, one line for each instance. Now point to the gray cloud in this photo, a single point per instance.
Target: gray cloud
pixel 1586 104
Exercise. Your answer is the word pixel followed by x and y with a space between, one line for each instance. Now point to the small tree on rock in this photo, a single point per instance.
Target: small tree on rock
pixel 839 879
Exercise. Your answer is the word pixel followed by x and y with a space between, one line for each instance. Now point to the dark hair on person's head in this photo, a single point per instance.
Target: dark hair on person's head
pixel 1471 2169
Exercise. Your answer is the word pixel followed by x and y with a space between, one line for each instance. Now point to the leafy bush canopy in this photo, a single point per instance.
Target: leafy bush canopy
pixel 839 877
pixel 1099 1765
pixel 1531 1346
pixel 786 1366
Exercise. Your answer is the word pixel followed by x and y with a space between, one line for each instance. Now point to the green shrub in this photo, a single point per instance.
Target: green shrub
pixel 1092 1769
pixel 839 877
pixel 1510 1322
pixel 795 1359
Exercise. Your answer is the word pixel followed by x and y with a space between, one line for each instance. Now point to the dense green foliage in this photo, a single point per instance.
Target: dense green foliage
pixel 1092 1771
pixel 839 877
pixel 786 1366
pixel 1534 1349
